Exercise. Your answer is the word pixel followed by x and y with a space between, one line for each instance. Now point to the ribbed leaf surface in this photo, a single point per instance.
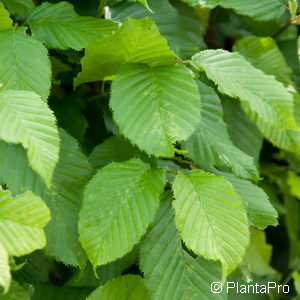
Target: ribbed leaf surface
pixel 114 149
pixel 5 20
pixel 265 101
pixel 24 63
pixel 22 220
pixel 128 287
pixel 210 144
pixel 186 41
pixel 69 179
pixel 26 119
pixel 64 199
pixel 264 54
pixel 258 9
pixel 21 7
pixel 58 26
pixel 137 41
pixel 119 203
pixel 5 276
pixel 243 133
pixel 211 218
pixel 161 103
pixel 260 211
pixel 170 272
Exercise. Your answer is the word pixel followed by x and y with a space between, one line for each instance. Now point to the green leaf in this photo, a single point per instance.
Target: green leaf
pixel 169 113
pixel 293 182
pixel 119 203
pixel 135 42
pixel 71 174
pixel 264 100
pixel 59 26
pixel 51 292
pixel 210 144
pixel 5 276
pixel 243 133
pixel 258 255
pixel 264 54
pixel 69 179
pixel 22 220
pixel 114 149
pixel 293 7
pixel 25 63
pixel 296 277
pixel 5 21
pixel 123 288
pixel 258 9
pixel 260 211
pixel 16 292
pixel 170 272
pixel 26 119
pixel 211 218
pixel 187 25
pixel 21 7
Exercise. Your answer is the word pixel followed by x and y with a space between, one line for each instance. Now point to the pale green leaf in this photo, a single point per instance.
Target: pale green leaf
pixel 22 220
pixel 160 103
pixel 5 276
pixel 296 277
pixel 21 7
pixel 264 100
pixel 260 211
pixel 24 63
pixel 5 21
pixel 26 119
pixel 187 25
pixel 210 217
pixel 119 204
pixel 59 26
pixel 170 272
pixel 114 149
pixel 264 54
pixel 128 287
pixel 293 7
pixel 210 144
pixel 258 9
pixel 258 255
pixel 137 41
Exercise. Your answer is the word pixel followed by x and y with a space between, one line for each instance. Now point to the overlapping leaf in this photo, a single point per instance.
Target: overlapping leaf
pixel 170 272
pixel 265 101
pixel 119 203
pixel 24 63
pixel 243 133
pixel 160 103
pixel 5 276
pixel 26 119
pixel 21 7
pixel 210 144
pixel 211 218
pixel 22 220
pixel 137 41
pixel 258 9
pixel 260 211
pixel 58 26
pixel 122 288
pixel 189 31
pixel 114 149
pixel 264 54
pixel 64 199
pixel 5 20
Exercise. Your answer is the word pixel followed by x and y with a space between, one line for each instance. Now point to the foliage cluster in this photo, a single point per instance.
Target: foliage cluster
pixel 148 148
